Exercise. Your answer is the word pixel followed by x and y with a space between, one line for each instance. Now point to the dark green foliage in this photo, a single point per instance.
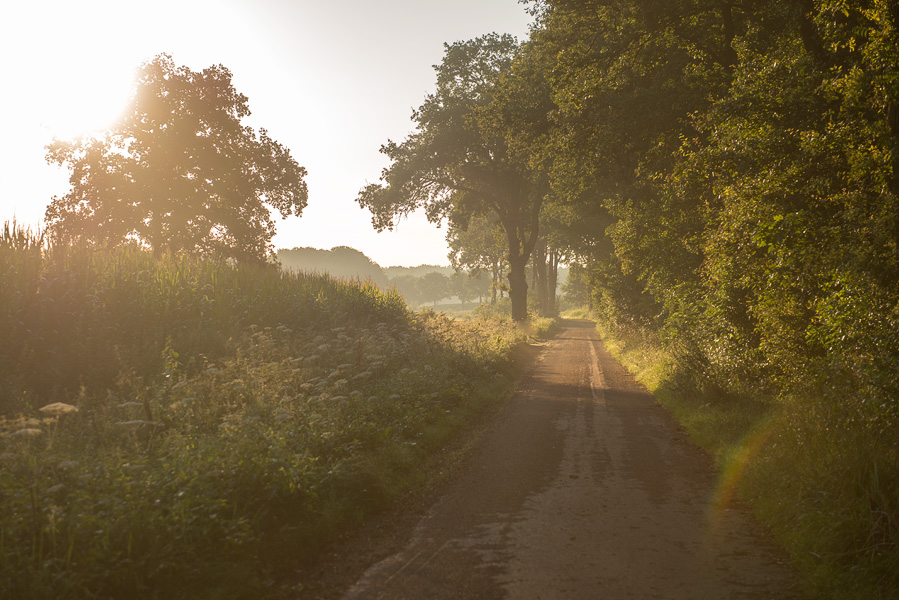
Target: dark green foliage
pixel 739 164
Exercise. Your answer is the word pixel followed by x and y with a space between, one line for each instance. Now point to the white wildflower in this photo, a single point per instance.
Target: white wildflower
pixel 26 433
pixel 58 408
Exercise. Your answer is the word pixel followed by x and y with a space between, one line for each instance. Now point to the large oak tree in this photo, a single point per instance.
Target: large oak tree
pixel 470 152
pixel 179 172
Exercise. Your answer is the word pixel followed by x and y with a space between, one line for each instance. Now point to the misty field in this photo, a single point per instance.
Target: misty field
pixel 179 428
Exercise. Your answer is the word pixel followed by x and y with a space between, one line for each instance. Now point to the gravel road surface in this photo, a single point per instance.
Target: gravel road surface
pixel 583 488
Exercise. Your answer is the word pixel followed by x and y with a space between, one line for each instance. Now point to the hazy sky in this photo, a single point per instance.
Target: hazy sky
pixel 330 79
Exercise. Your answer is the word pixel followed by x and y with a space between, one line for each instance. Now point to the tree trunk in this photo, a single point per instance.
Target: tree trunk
pixel 729 57
pixel 540 256
pixel 521 230
pixel 811 39
pixel 494 283
pixel 590 285
pixel 518 288
pixel 552 282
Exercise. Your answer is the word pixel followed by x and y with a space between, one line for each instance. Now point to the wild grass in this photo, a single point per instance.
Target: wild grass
pixel 581 312
pixel 535 326
pixel 817 467
pixel 226 423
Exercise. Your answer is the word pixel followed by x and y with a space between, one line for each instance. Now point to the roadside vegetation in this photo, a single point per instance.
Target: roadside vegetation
pixel 817 465
pixel 727 177
pixel 183 428
pixel 722 179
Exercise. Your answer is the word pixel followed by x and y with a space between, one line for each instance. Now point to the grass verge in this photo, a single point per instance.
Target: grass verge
pixel 814 466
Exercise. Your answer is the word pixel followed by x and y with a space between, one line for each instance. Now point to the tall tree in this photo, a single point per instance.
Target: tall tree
pixel 434 287
pixel 463 286
pixel 466 156
pixel 479 245
pixel 408 288
pixel 179 172
pixel 628 78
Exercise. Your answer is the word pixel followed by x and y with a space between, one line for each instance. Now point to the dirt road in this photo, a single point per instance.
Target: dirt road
pixel 584 488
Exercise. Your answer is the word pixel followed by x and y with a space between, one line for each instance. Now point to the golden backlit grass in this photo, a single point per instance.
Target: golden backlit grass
pixel 819 464
pixel 183 429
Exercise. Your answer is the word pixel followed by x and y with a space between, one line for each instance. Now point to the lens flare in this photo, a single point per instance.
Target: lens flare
pixel 734 470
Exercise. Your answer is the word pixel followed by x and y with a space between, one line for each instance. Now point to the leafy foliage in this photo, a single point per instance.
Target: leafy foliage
pixel 469 154
pixel 179 172
pixel 737 164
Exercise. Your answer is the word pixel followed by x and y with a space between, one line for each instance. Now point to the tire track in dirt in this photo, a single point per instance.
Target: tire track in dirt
pixel 584 488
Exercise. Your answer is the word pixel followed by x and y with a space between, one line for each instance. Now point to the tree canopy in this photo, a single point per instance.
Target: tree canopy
pixel 469 154
pixel 179 172
pixel 726 175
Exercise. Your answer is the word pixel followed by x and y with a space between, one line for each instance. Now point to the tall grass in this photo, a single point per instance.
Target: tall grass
pixel 226 423
pixel 819 462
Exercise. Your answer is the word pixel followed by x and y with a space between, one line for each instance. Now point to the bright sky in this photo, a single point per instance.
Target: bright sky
pixel 331 80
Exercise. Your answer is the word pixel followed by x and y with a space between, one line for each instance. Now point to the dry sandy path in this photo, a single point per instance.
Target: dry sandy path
pixel 584 488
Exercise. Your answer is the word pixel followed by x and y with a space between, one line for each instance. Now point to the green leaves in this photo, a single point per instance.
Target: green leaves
pixel 472 152
pixel 179 172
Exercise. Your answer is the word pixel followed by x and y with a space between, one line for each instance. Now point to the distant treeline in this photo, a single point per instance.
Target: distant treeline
pixel 417 285
pixel 422 284
pixel 341 262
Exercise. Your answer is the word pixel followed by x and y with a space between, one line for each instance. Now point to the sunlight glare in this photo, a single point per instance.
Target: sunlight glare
pixel 88 105
pixel 73 79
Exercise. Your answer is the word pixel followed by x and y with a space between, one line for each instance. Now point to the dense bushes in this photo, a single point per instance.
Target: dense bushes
pixel 748 156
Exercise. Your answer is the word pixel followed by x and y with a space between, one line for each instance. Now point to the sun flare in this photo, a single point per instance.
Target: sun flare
pixel 85 104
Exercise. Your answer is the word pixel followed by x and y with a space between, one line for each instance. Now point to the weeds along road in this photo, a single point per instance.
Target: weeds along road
pixel 584 488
